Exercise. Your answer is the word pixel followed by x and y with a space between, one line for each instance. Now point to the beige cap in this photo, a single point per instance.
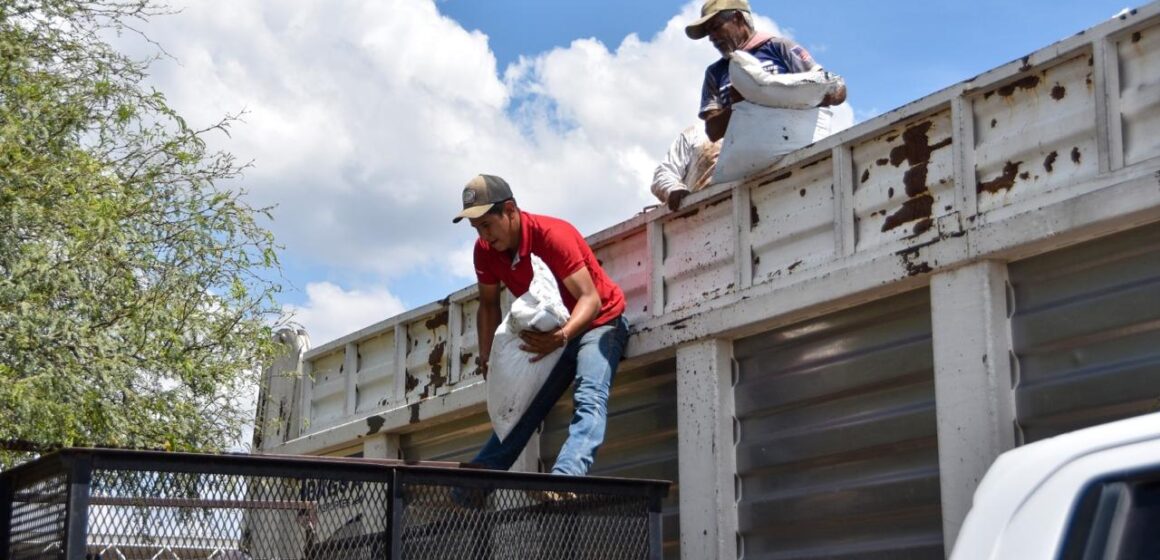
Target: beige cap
pixel 696 30
pixel 480 194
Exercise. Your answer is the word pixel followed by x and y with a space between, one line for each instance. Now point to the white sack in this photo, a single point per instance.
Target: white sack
pixel 759 136
pixel 513 381
pixel 800 90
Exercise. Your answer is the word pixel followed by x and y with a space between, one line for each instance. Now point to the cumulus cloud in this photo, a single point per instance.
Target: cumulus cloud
pixel 364 122
pixel 331 312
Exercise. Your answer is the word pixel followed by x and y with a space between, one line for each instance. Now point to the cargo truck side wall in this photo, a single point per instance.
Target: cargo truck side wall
pixel 842 344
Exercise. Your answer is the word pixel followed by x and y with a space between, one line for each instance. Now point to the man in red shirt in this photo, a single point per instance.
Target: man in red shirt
pixel 593 337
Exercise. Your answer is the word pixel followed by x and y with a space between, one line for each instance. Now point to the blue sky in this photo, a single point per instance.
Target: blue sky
pixel 363 123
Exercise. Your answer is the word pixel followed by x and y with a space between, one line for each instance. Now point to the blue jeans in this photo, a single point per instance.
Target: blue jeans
pixel 591 361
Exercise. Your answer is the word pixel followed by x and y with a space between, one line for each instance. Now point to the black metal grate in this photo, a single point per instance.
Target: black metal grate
pixel 38 519
pixel 139 505
pixel 510 523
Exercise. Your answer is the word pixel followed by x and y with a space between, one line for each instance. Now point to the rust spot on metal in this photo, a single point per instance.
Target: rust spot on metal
pixel 415 413
pixel 994 122
pixel 988 95
pixel 891 137
pixel 1026 64
pixel 1058 92
pixel 1025 175
pixel 1049 161
pixel 913 209
pixel 916 147
pixel 374 424
pixel 923 226
pixel 794 265
pixel 802 192
pixel 914 269
pixel 410 383
pixel 1075 155
pixel 882 161
pixel 1004 181
pixel 435 361
pixel 754 216
pixel 439 320
pixel 1029 82
pixel 781 177
pixel 914 180
pixel 865 175
pixel 890 192
pixel 465 358
pixel 1136 37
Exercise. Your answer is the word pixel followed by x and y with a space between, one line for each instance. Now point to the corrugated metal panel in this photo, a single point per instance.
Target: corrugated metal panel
pixel 458 440
pixel 468 342
pixel 628 262
pixel 375 381
pixel 1036 133
pixel 698 255
pixel 427 364
pixel 792 221
pixel 903 181
pixel 328 390
pixel 1086 332
pixel 838 453
pixel 641 439
pixel 1139 58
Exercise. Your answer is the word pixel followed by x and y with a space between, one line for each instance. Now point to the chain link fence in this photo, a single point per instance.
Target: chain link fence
pixel 113 504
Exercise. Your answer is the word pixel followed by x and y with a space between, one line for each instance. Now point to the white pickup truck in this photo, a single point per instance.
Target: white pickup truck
pixel 1090 494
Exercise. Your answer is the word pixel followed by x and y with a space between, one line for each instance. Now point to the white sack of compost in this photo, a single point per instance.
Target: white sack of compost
pixel 513 381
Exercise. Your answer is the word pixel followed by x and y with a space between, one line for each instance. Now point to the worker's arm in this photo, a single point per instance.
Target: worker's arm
pixel 588 303
pixel 486 321
pixel 716 121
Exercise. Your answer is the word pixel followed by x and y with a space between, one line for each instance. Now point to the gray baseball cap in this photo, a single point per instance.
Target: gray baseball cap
pixel 480 194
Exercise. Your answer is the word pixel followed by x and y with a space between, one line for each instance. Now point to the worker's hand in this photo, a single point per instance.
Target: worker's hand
pixel 835 96
pixel 481 366
pixel 541 344
pixel 675 198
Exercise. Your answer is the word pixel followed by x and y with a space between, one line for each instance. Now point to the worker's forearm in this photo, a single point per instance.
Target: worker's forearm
pixel 586 310
pixel 486 321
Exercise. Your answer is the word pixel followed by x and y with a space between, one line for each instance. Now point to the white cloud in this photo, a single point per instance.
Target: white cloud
pixel 331 312
pixel 364 122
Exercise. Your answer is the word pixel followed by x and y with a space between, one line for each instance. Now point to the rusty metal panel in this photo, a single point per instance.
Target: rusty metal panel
pixel 327 391
pixel 641 438
pixel 1036 133
pixel 628 261
pixel 1139 58
pixel 468 342
pixel 1086 333
pixel 903 181
pixel 792 221
pixel 427 364
pixel 458 440
pixel 837 452
pixel 698 255
pixel 375 381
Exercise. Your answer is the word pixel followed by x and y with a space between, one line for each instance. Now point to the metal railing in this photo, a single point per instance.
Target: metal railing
pixel 111 504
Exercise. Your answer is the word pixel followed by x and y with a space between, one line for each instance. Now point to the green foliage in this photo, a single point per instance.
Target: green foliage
pixel 134 309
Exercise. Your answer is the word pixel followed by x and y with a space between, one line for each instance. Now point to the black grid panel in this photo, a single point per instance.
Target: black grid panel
pixel 101 504
pixel 37 518
pixel 515 523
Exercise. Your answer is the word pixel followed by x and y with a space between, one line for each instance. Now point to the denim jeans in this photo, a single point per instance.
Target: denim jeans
pixel 591 361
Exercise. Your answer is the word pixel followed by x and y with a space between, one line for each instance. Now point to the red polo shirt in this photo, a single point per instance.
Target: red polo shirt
pixel 563 249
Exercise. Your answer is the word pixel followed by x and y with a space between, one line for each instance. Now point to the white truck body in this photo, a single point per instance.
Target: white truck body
pixel 1029 501
pixel 827 357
